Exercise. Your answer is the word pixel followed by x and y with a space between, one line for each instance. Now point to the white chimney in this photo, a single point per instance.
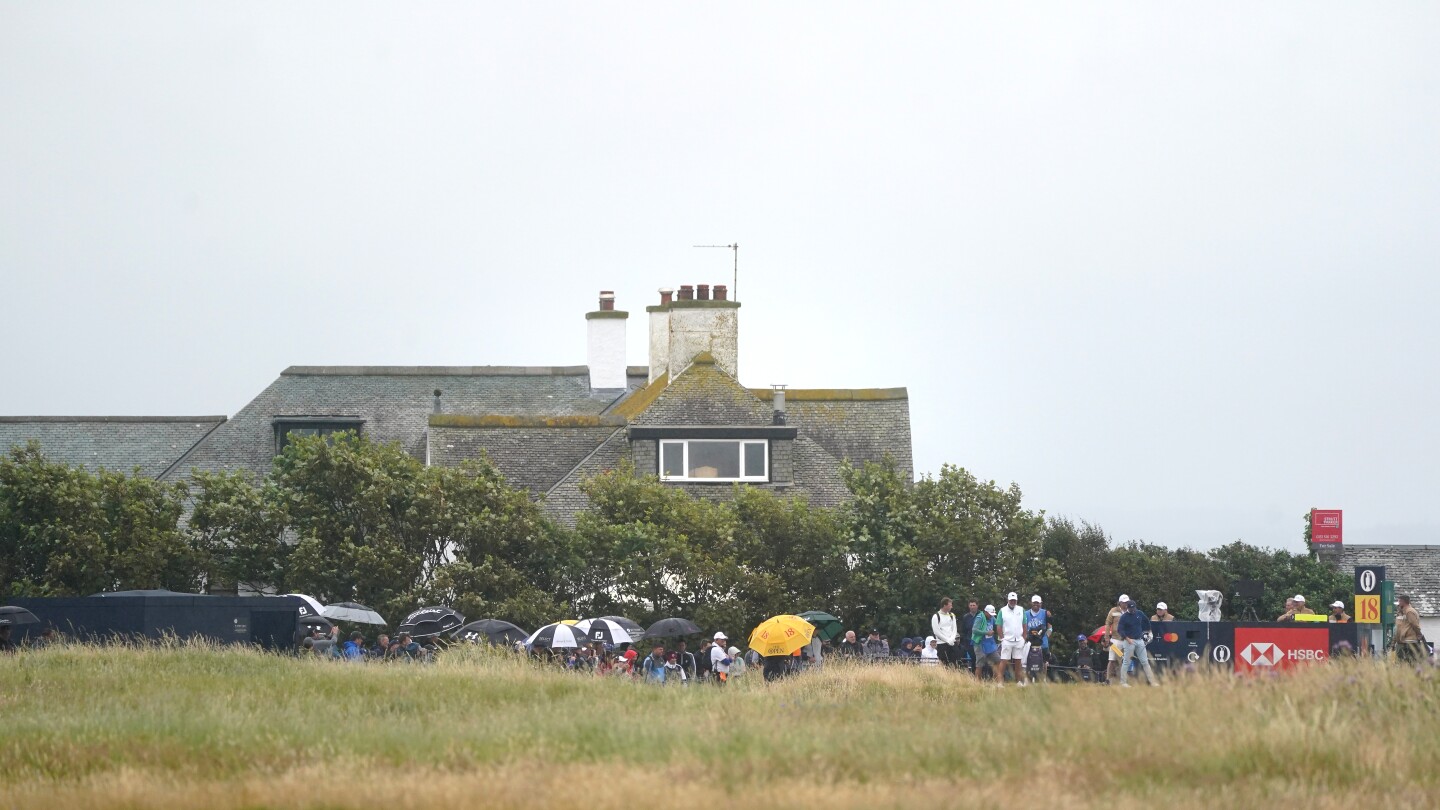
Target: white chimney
pixel 605 341
pixel 699 323
pixel 660 334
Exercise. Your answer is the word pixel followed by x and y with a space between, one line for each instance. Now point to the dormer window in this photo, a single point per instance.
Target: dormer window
pixel 714 460
pixel 288 427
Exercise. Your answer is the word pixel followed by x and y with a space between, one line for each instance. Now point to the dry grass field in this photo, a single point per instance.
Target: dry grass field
pixel 194 726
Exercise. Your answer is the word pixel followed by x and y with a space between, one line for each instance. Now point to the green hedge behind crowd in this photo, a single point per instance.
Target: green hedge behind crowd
pixel 346 519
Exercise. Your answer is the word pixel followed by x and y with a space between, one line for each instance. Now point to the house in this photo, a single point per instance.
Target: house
pixel 1415 570
pixel 685 417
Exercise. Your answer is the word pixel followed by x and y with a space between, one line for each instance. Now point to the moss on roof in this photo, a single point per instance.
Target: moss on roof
pixel 499 421
pixel 636 403
pixel 834 394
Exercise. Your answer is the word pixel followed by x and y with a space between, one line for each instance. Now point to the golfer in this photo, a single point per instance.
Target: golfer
pixel 1012 639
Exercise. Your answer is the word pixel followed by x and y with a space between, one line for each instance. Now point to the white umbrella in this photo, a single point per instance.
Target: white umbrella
pixel 557 637
pixel 312 606
pixel 353 613
pixel 606 630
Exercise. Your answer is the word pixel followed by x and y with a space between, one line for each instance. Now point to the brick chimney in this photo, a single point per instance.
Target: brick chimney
pixel 605 344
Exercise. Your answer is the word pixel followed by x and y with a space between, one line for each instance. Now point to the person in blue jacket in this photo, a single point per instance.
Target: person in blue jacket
pixel 1132 629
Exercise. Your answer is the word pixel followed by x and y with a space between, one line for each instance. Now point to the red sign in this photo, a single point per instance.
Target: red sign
pixel 1325 526
pixel 1266 649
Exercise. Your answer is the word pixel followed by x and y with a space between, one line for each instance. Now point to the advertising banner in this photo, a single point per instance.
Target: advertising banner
pixel 1325 527
pixel 1266 649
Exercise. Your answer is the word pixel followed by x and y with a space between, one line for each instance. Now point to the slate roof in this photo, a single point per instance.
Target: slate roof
pixel 855 425
pixel 152 444
pixel 532 454
pixel 564 501
pixel 395 404
pixel 1415 570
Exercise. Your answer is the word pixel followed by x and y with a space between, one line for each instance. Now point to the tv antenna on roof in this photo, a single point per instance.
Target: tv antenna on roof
pixel 734 272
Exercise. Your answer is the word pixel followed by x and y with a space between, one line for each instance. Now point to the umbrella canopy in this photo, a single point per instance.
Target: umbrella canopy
pixel 311 606
pixel 558 636
pixel 606 630
pixel 492 630
pixel 1099 634
pixel 16 615
pixel 352 612
pixel 827 626
pixel 310 620
pixel 781 635
pixel 672 627
pixel 431 621
pixel 631 626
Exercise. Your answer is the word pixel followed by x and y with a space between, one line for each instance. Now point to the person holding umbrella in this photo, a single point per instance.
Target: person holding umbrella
pixel 686 660
pixel 720 659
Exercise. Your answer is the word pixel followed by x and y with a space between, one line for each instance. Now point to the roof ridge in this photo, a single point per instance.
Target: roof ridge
pixel 119 419
pixel 435 371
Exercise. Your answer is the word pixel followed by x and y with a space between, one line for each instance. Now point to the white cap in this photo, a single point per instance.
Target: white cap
pixel 1162 606
pixel 1012 595
pixel 1299 598
pixel 1035 598
pixel 990 609
pixel 1124 599
pixel 1337 603
pixel 719 636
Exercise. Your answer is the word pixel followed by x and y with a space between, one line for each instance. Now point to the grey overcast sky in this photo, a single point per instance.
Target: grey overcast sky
pixel 1169 267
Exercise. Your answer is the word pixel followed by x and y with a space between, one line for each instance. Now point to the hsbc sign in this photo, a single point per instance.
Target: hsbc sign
pixel 1268 649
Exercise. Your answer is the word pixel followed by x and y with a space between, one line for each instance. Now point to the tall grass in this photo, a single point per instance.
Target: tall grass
pixel 191 725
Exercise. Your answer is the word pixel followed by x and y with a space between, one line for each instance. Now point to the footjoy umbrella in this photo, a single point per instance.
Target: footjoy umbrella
pixel 557 636
pixel 606 630
pixel 827 627
pixel 16 615
pixel 311 606
pixel 631 626
pixel 1098 635
pixel 781 635
pixel 672 627
pixel 431 621
pixel 492 631
pixel 352 612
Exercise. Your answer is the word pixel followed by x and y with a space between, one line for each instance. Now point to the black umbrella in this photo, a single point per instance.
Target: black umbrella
pixel 311 620
pixel 672 627
pixel 16 615
pixel 491 630
pixel 431 621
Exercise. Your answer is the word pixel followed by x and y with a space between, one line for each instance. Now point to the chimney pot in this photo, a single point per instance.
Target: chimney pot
pixel 778 403
pixel 665 293
pixel 437 400
pixel 687 292
pixel 702 292
pixel 607 300
pixel 721 291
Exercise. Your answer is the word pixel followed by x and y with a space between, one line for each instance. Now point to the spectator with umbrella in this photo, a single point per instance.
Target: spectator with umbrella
pixel 607 631
pixel 492 631
pixel 673 627
pixel 431 621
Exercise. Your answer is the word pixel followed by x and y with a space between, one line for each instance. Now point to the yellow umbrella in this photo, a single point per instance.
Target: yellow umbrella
pixel 781 635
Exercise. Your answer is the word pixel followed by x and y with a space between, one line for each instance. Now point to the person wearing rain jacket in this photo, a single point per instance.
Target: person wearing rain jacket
pixel 653 667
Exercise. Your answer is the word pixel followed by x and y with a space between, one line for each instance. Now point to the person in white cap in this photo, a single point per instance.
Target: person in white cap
pixel 1012 639
pixel 1338 614
pixel 720 659
pixel 1037 632
pixel 986 646
pixel 1162 613
pixel 1112 637
pixel 1300 606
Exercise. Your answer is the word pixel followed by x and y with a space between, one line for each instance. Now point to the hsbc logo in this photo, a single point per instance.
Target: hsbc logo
pixel 1262 654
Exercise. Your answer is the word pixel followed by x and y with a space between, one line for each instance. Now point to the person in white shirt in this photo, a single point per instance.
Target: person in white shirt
pixel 929 654
pixel 720 659
pixel 943 625
pixel 1012 642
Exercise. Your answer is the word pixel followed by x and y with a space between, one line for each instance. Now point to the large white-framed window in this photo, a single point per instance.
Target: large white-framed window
pixel 714 460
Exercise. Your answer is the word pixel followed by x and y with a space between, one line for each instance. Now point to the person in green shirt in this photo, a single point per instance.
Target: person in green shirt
pixel 983 629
